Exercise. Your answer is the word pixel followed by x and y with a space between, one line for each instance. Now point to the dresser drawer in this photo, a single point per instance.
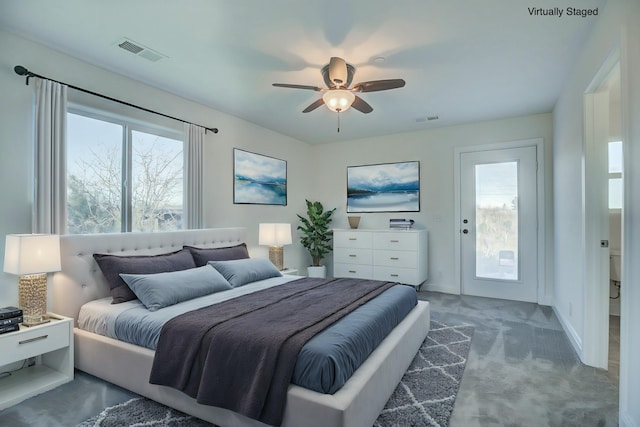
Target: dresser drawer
pixel 353 255
pixel 396 241
pixel 402 259
pixel 353 270
pixel 352 239
pixel 408 276
pixel 34 341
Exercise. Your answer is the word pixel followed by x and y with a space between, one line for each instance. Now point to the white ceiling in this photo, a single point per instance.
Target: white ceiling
pixel 462 60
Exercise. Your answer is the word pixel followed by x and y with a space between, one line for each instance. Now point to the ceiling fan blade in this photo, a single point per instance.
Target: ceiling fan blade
pixel 313 106
pixel 376 85
pixel 361 105
pixel 317 89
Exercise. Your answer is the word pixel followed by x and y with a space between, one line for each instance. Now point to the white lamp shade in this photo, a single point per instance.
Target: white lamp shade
pixel 274 234
pixel 338 99
pixel 31 253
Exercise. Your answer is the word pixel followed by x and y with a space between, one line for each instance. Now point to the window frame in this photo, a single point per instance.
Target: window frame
pixel 129 124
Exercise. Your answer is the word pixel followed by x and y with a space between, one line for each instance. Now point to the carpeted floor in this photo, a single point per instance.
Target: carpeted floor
pixel 424 397
pixel 521 371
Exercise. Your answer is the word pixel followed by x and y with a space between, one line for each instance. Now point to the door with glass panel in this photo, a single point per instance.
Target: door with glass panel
pixel 498 223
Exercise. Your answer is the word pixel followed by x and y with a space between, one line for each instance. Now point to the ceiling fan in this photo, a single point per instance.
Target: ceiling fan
pixel 338 96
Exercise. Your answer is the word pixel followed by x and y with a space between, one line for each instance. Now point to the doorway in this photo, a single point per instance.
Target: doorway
pixel 498 221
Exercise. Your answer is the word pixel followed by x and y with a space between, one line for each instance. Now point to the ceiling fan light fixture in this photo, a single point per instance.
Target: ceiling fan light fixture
pixel 338 100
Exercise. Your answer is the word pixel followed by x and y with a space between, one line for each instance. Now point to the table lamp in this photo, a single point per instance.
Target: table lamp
pixel 275 236
pixel 32 256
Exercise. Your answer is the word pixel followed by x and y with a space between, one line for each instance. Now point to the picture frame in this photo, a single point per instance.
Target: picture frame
pixel 384 187
pixel 259 179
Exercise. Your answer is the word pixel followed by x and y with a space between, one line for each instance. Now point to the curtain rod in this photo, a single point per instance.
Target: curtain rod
pixel 21 71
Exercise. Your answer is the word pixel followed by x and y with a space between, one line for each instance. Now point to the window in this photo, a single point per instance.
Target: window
pixel 615 175
pixel 122 176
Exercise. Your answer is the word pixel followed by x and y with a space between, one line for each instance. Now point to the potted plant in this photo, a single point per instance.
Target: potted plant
pixel 316 236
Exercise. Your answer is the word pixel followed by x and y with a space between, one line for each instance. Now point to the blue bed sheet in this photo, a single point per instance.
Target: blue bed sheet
pixel 325 362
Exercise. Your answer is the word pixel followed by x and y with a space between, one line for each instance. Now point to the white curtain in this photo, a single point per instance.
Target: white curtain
pixel 49 206
pixel 194 176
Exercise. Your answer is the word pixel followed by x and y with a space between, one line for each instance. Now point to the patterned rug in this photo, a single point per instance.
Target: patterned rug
pixel 424 397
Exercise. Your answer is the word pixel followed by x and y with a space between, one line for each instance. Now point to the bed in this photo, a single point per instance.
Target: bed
pixel 357 403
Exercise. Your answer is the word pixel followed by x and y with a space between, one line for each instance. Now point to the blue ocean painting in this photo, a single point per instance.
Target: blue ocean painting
pixel 259 179
pixel 389 187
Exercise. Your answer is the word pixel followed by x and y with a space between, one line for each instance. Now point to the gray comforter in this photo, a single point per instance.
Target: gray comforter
pixel 240 354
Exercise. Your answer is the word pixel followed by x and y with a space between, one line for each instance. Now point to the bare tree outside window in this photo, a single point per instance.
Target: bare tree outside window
pixel 95 179
pixel 157 183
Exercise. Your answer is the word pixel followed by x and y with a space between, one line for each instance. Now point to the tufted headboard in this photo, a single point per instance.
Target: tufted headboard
pixel 81 280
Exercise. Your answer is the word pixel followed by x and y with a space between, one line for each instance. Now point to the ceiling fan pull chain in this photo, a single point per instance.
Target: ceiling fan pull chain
pixel 338 121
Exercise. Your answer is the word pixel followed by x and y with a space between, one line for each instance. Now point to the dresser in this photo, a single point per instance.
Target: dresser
pixel 391 255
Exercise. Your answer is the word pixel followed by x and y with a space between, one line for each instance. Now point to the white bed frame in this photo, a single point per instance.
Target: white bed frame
pixel 357 403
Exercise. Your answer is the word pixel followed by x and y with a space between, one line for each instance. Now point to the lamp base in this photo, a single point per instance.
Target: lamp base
pixel 276 256
pixel 28 324
pixel 32 298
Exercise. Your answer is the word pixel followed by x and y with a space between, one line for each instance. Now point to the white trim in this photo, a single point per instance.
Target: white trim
pixel 441 288
pixel 574 337
pixel 629 270
pixel 596 301
pixel 544 295
pixel 626 420
pixel 595 260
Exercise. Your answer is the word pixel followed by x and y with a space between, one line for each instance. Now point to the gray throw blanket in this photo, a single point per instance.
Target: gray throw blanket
pixel 240 354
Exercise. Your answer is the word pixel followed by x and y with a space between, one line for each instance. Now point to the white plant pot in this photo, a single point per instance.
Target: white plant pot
pixel 320 271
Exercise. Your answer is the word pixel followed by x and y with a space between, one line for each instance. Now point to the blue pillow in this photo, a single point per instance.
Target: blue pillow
pixel 242 271
pixel 160 290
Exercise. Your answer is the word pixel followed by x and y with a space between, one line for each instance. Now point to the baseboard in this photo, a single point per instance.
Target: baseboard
pixel 626 420
pixel 574 339
pixel 547 300
pixel 439 288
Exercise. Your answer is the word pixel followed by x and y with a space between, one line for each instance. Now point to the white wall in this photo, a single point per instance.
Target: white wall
pixel 434 148
pixel 16 154
pixel 616 27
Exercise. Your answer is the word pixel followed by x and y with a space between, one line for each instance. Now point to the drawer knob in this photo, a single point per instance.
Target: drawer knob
pixel 352 255
pixel 43 337
pixel 352 271
pixel 394 275
pixel 394 258
pixel 394 241
pixel 353 238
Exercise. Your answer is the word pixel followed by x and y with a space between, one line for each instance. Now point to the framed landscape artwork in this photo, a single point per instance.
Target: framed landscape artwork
pixel 258 179
pixel 387 187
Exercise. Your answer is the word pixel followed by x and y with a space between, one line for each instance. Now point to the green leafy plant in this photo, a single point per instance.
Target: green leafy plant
pixel 315 230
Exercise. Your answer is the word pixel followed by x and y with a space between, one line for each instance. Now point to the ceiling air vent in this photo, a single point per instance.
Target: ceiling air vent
pixel 140 50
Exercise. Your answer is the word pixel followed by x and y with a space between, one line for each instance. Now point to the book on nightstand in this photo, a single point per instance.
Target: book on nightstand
pixel 9 328
pixel 11 321
pixel 9 312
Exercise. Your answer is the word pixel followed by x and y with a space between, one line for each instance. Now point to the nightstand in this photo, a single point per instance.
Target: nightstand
pixel 290 271
pixel 51 345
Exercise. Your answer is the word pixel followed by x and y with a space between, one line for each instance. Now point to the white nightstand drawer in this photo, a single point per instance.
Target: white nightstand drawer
pixel 403 259
pixel 353 270
pixel 352 239
pixel 353 255
pixel 396 241
pixel 30 342
pixel 408 276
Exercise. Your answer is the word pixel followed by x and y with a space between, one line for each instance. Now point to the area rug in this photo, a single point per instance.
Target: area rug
pixel 424 397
